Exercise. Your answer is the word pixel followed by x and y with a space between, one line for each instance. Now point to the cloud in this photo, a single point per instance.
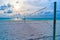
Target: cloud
pixel 30 6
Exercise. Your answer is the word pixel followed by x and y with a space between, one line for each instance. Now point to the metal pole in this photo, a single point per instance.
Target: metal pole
pixel 54 24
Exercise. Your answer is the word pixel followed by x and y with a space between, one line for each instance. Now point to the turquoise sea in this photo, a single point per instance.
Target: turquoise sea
pixel 28 19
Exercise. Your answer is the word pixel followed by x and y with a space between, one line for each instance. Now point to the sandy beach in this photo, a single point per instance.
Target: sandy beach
pixel 27 30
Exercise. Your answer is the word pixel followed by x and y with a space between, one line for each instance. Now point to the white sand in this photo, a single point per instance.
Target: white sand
pixel 20 30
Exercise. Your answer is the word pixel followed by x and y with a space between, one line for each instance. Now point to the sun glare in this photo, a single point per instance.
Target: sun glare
pixel 17 6
pixel 20 7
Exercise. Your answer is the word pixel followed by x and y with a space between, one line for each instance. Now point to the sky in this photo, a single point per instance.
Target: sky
pixel 28 8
